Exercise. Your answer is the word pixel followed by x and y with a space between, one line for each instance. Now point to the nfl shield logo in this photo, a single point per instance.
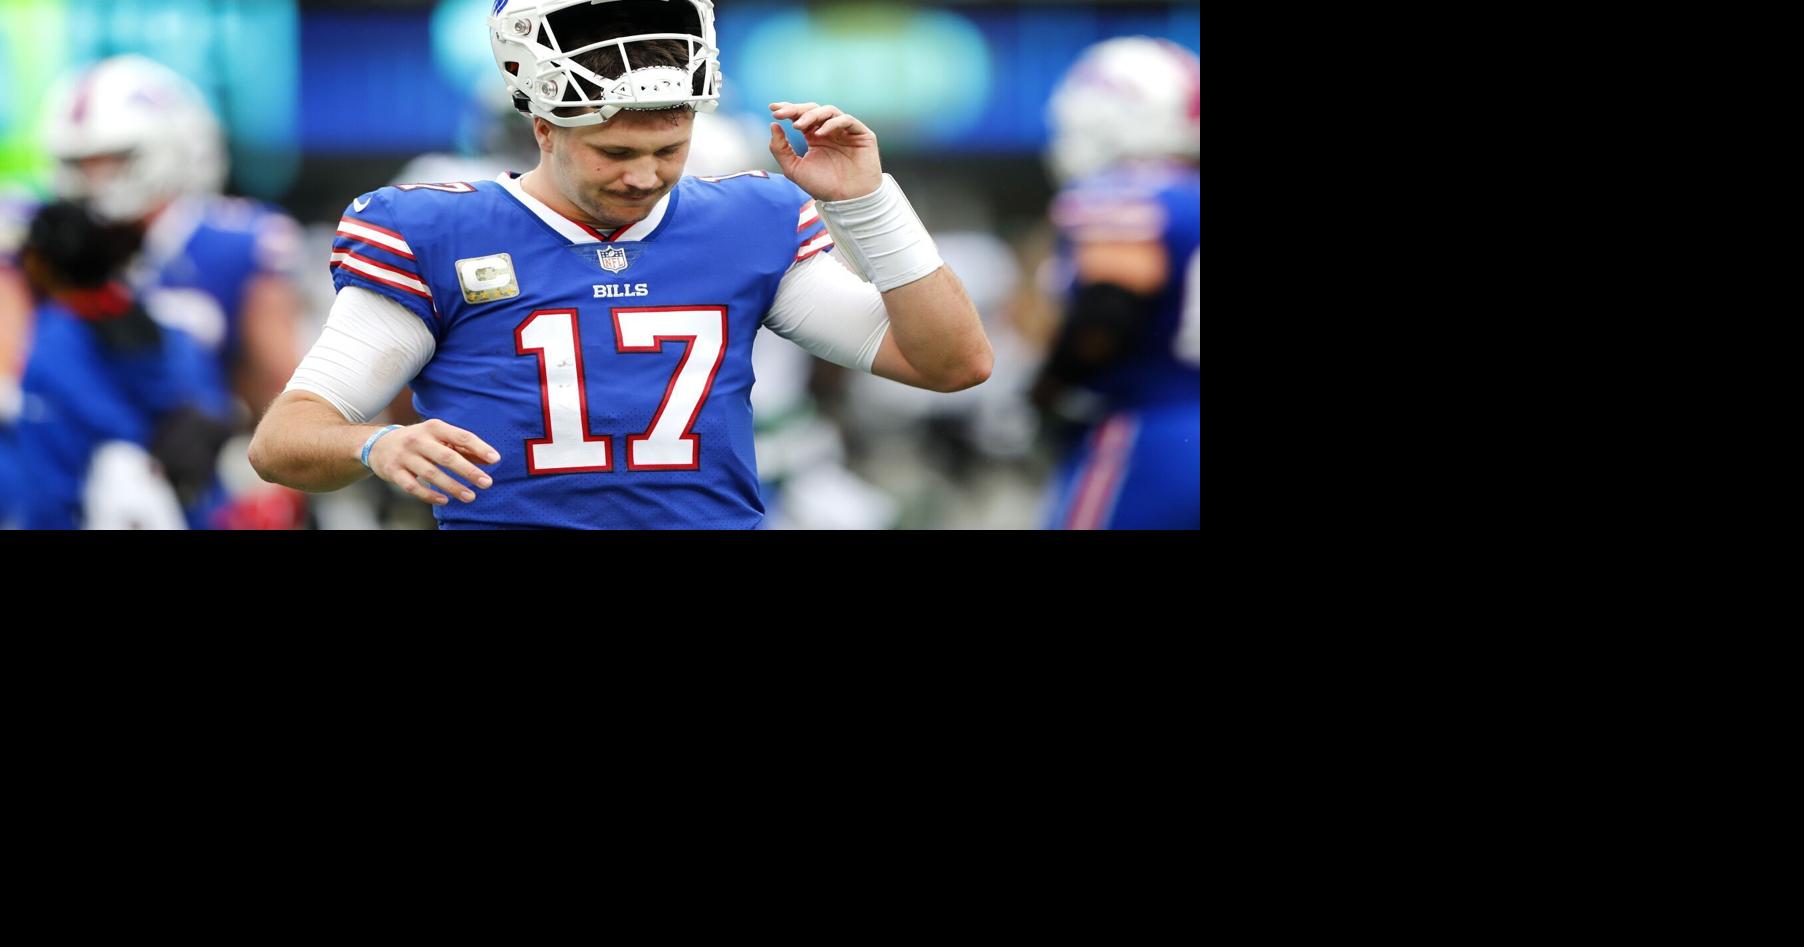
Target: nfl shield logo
pixel 613 259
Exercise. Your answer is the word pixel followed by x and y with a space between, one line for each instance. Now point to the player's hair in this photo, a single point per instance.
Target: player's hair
pixel 612 20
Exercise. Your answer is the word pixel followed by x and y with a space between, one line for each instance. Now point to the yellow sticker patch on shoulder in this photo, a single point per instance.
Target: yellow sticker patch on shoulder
pixel 487 278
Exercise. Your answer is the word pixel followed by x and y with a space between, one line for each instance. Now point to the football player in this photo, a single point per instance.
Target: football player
pixel 103 374
pixel 579 337
pixel 1124 369
pixel 138 144
pixel 139 150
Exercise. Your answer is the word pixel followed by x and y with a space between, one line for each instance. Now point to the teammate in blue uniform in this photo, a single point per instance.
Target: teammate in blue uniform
pixel 103 371
pixel 1125 365
pixel 137 147
pixel 579 337
pixel 138 144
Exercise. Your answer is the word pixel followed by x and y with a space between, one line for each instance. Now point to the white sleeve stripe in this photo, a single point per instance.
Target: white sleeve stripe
pixel 380 273
pixel 810 214
pixel 387 240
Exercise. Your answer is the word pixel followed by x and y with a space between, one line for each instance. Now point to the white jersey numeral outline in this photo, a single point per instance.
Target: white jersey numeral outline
pixel 669 443
pixel 567 447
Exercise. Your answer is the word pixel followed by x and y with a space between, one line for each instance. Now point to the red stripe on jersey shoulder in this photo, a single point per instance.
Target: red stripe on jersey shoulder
pixel 380 265
pixel 380 230
pixel 377 279
pixel 347 240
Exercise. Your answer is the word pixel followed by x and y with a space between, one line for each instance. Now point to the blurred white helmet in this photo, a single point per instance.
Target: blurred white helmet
pixel 724 144
pixel 149 116
pixel 537 42
pixel 1126 98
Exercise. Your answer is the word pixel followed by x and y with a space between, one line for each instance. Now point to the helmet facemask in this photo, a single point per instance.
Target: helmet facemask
pixel 557 57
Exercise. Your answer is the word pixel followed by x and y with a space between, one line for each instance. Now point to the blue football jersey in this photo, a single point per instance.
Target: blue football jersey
pixel 198 258
pixel 612 371
pixel 77 395
pixel 1140 465
pixel 1146 202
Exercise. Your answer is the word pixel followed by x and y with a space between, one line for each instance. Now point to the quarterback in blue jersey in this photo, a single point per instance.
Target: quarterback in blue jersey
pixel 1126 364
pixel 579 337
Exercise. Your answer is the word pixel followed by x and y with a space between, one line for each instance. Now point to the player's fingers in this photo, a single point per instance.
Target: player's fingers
pixel 815 116
pixel 455 463
pixel 844 125
pixel 408 483
pixel 463 440
pixel 480 455
pixel 780 148
pixel 792 109
pixel 444 483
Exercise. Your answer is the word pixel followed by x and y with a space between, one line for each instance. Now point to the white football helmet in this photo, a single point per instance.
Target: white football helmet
pixel 536 43
pixel 146 113
pixel 1126 98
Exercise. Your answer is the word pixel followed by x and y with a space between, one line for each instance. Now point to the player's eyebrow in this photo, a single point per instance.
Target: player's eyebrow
pixel 622 150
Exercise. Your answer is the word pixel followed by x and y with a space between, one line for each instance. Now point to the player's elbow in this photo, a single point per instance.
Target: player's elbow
pixel 974 370
pixel 266 456
pixel 259 456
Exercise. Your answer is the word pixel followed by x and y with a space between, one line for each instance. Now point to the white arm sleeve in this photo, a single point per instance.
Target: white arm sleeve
pixel 824 308
pixel 371 348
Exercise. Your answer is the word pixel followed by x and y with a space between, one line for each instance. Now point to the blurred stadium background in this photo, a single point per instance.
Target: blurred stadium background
pixel 325 99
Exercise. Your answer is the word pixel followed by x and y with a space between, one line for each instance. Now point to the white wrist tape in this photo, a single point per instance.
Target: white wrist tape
pixel 882 236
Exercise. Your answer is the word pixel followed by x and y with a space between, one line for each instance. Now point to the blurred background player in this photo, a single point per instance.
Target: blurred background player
pixel 114 407
pixel 138 148
pixel 1123 373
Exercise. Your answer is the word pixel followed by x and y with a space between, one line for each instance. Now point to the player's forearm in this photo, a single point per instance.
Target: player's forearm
pixel 937 329
pixel 304 443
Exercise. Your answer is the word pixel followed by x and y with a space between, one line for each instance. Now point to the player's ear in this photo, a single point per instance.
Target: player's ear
pixel 543 130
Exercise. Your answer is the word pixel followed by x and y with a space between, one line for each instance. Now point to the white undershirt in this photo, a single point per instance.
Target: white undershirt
pixel 373 346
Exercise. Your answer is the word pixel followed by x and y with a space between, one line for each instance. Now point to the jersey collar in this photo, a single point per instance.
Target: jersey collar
pixel 582 233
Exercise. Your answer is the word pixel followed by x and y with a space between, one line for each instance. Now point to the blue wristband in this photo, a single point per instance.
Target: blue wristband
pixel 364 458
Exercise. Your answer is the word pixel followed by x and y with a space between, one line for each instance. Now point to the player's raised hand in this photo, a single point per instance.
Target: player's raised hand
pixel 421 460
pixel 841 162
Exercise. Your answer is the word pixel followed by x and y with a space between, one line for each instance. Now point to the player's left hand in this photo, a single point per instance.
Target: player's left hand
pixel 841 162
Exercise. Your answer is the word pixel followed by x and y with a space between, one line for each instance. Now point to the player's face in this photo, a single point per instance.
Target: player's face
pixel 616 172
pixel 99 171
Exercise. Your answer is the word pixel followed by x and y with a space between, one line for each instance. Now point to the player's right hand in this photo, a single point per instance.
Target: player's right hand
pixel 422 459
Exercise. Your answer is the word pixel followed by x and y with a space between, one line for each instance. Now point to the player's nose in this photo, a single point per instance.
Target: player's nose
pixel 642 176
